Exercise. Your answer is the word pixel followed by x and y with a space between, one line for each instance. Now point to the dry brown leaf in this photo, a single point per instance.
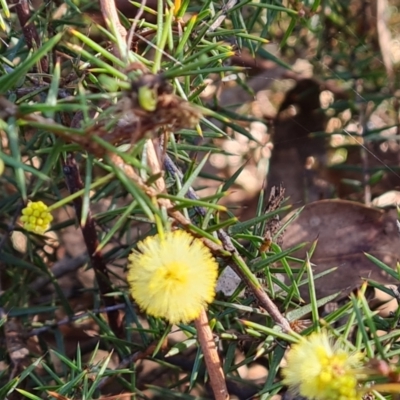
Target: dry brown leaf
pixel 345 231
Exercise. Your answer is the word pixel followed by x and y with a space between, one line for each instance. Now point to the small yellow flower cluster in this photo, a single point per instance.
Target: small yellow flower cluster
pixel 36 217
pixel 320 370
pixel 173 276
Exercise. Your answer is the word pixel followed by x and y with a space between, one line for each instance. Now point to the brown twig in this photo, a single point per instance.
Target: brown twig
pixel 75 184
pixel 73 318
pixel 154 165
pixel 224 11
pixel 211 357
pixel 59 269
pixel 385 39
pixel 110 15
pixel 29 30
pixel 134 23
pixel 152 193
pixel 364 117
pixel 257 290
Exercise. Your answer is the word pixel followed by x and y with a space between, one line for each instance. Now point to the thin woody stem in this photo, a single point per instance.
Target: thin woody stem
pixel 211 357
pixel 29 30
pixel 110 15
pixel 258 292
pixel 74 183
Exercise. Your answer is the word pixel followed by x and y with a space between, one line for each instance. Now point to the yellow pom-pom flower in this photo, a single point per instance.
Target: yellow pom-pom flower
pixel 321 370
pixel 173 276
pixel 36 217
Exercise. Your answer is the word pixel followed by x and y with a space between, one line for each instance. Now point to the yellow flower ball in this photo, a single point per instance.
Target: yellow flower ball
pixel 172 277
pixel 36 217
pixel 320 370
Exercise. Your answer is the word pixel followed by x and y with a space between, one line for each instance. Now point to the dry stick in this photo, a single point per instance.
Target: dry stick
pixel 59 269
pixel 364 118
pixel 110 15
pixel 75 184
pixel 225 9
pixel 153 193
pixel 385 39
pixel 134 24
pixel 31 35
pixel 154 165
pixel 75 317
pixel 211 358
pixel 258 291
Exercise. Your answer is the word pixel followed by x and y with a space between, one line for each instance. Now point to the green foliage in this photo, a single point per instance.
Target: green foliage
pixel 69 96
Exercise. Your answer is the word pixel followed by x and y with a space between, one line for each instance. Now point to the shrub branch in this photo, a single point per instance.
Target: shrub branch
pixel 74 183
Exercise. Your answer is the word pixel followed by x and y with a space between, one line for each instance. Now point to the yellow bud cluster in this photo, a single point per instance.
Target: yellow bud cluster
pixel 319 369
pixel 36 217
